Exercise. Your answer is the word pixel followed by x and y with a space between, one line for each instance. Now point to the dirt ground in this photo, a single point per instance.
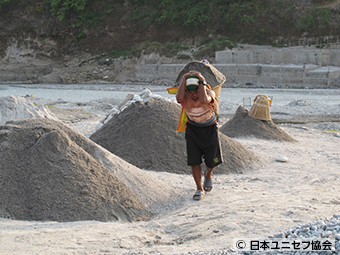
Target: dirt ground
pixel 257 203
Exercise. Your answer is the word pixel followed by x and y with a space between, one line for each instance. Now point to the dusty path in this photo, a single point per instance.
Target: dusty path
pixel 258 203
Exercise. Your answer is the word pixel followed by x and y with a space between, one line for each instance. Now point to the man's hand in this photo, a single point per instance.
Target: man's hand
pixel 198 74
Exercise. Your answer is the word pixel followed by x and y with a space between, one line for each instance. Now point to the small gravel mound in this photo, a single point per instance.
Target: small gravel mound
pixel 242 125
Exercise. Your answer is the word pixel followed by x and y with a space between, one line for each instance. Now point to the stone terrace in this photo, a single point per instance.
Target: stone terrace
pixel 264 67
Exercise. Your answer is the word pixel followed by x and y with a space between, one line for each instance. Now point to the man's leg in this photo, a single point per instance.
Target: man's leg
pixel 208 179
pixel 196 173
pixel 209 173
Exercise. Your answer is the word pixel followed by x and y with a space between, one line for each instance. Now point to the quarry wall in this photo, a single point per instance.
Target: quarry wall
pixel 315 68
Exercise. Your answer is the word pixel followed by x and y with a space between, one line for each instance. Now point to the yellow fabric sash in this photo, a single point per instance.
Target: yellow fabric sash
pixel 183 119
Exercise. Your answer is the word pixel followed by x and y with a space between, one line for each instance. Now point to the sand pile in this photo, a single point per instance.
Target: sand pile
pixel 19 108
pixel 242 125
pixel 144 134
pixel 50 172
pixel 211 74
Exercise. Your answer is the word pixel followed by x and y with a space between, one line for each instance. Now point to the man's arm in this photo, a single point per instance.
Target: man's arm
pixel 181 89
pixel 205 95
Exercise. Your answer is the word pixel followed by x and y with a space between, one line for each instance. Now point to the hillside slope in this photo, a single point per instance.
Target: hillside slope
pixel 79 41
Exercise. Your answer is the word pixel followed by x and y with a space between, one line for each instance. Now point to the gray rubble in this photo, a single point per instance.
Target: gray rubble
pixel 318 229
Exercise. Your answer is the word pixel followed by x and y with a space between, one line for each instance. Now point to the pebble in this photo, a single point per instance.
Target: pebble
pixel 282 158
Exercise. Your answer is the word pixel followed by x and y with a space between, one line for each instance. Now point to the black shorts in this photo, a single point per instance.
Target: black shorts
pixel 203 142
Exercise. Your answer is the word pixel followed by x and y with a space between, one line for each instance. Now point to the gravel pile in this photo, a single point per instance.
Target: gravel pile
pixel 210 73
pixel 306 108
pixel 50 172
pixel 144 134
pixel 328 126
pixel 320 229
pixel 326 228
pixel 242 125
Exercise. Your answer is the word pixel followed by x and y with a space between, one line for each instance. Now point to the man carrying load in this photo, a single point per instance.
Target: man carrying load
pixel 201 132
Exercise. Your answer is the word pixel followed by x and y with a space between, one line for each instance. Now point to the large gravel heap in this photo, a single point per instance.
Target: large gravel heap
pixel 50 172
pixel 144 134
pixel 242 125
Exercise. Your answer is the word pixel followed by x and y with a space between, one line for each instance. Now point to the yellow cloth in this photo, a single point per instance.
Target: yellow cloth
pixel 269 100
pixel 183 119
pixel 182 124
pixel 172 90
